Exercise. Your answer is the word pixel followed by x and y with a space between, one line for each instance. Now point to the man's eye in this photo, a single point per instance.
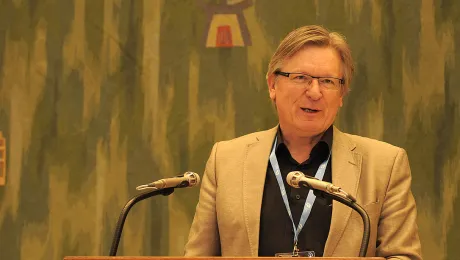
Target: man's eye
pixel 328 81
pixel 300 77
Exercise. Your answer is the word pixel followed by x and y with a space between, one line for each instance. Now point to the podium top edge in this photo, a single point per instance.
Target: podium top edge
pixel 210 258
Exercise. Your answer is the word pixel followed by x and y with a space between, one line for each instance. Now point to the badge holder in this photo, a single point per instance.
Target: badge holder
pixel 296 253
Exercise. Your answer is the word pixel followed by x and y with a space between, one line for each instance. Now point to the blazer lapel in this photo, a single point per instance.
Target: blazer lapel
pixel 254 172
pixel 346 170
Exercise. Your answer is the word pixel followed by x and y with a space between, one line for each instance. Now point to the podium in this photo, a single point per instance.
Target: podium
pixel 207 258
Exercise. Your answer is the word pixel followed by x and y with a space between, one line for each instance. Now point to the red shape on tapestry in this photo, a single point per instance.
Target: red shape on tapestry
pixel 224 36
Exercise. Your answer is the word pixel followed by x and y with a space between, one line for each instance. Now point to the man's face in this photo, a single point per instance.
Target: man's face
pixel 307 110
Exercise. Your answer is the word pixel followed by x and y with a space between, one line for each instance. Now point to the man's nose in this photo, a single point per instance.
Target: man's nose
pixel 313 90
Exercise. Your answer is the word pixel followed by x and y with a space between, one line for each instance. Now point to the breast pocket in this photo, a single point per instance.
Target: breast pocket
pixel 372 208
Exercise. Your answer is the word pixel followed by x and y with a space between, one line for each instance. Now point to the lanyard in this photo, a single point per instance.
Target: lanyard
pixel 310 198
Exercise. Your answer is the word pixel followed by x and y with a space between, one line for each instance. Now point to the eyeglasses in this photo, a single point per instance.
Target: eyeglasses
pixel 302 79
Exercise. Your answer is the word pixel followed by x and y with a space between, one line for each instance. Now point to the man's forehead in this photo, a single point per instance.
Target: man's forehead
pixel 318 60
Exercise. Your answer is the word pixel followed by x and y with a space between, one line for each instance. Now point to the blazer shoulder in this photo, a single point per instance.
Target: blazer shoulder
pixel 367 145
pixel 243 141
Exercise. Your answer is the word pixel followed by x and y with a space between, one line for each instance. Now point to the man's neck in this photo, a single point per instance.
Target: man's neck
pixel 300 146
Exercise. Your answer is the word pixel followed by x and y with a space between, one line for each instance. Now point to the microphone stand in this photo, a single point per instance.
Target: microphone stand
pixel 355 206
pixel 124 214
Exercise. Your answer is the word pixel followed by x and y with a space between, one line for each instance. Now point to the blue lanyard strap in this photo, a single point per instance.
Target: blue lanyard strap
pixel 310 198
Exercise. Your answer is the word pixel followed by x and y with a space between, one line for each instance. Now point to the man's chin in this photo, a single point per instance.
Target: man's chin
pixel 312 128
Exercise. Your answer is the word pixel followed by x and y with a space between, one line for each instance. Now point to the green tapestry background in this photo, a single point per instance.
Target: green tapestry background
pixel 97 97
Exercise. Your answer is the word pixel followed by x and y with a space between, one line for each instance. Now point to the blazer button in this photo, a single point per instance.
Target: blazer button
pixel 297 197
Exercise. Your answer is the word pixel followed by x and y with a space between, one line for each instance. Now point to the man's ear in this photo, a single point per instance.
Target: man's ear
pixel 271 86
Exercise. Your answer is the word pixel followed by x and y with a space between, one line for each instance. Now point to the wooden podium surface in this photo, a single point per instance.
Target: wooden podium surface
pixel 207 258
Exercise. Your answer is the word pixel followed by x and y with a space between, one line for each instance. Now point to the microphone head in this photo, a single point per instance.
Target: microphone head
pixel 193 178
pixel 293 178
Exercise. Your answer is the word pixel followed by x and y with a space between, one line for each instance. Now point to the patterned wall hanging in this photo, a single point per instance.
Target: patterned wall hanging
pixel 226 25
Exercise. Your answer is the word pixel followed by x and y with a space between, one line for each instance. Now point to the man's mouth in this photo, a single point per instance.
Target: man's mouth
pixel 309 110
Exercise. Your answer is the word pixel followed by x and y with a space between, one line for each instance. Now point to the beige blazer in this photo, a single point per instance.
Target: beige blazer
pixel 227 216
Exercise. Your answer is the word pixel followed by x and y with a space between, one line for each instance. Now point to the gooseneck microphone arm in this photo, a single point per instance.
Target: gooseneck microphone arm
pixel 323 189
pixel 356 207
pixel 161 187
pixel 124 214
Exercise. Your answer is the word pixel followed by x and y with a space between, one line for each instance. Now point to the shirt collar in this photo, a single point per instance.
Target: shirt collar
pixel 326 138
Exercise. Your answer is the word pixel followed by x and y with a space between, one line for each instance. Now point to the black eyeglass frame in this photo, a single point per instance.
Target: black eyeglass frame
pixel 286 74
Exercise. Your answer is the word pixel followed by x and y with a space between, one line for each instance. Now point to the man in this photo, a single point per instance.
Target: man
pixel 244 208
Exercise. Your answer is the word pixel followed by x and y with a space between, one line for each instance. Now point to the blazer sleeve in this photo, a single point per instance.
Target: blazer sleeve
pixel 397 229
pixel 204 239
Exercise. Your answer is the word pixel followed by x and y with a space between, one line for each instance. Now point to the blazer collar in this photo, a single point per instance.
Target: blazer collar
pixel 346 171
pixel 254 172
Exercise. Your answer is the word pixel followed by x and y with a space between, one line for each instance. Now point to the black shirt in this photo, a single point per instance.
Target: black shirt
pixel 276 233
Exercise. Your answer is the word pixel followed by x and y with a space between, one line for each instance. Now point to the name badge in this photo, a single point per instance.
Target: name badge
pixel 297 254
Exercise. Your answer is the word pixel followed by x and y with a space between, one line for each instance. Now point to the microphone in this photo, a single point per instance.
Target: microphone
pixel 297 178
pixel 163 187
pixel 188 179
pixel 329 190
